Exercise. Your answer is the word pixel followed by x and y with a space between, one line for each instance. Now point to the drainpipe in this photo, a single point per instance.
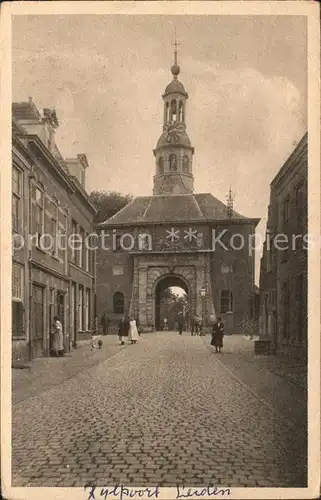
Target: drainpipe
pixel 31 178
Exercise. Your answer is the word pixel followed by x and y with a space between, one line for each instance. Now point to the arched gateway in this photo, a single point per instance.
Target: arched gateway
pixel 181 226
pixel 162 284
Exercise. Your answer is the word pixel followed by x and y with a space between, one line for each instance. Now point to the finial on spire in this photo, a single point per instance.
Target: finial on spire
pixel 230 203
pixel 175 69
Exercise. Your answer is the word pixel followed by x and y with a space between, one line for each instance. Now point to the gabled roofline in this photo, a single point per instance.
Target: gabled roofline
pixel 34 139
pixel 83 193
pixel 294 156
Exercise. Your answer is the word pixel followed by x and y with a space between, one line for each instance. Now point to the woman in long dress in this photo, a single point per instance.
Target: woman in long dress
pixel 57 337
pixel 133 334
pixel 217 335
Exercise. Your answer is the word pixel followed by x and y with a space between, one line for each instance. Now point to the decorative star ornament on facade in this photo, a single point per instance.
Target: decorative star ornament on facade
pixel 190 234
pixel 173 234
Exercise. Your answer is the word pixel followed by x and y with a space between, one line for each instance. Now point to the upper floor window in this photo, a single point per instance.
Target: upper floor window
pixel 172 162
pixel 16 199
pixel 118 300
pixel 301 207
pixel 74 232
pixel 286 210
pixel 145 241
pixel 39 212
pixel 226 301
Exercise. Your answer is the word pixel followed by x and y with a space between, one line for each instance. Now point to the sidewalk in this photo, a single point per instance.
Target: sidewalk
pixel 294 369
pixel 280 380
pixel 45 373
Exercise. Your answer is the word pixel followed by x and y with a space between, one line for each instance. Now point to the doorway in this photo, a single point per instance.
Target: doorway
pixel 37 321
pixel 61 314
pixel 171 299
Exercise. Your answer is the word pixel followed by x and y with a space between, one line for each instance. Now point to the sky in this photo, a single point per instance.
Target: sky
pixel 105 75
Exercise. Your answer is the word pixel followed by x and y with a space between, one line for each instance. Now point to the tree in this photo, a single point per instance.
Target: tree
pixel 108 203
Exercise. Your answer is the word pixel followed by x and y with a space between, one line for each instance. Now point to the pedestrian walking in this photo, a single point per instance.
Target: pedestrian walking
pixel 133 335
pixel 217 335
pixel 192 325
pixel 180 322
pixel 122 331
pixel 197 324
pixel 57 337
pixel 105 323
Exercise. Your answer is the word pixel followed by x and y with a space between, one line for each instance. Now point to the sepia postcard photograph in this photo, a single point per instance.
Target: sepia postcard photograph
pixel 160 250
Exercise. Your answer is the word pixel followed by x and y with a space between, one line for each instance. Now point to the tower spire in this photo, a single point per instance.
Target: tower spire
pixel 175 69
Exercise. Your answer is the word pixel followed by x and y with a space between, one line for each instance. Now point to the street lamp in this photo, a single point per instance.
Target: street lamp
pixel 202 294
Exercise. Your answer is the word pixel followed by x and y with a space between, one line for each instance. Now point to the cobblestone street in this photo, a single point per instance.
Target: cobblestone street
pixel 167 410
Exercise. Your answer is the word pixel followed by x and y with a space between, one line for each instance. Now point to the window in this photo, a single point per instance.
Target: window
pixel 118 270
pixel 87 310
pixel 172 162
pixel 62 231
pixel 226 301
pixel 185 164
pixel 301 209
pixel 286 211
pixel 16 199
pixel 161 165
pixel 87 255
pixel 39 213
pixel 118 300
pixel 173 108
pixel 117 242
pixel 81 308
pixel 286 308
pixel 74 247
pixel 301 307
pixel 144 241
pixel 17 281
pixel 82 249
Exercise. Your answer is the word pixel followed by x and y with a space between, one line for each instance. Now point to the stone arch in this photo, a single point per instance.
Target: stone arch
pixel 161 283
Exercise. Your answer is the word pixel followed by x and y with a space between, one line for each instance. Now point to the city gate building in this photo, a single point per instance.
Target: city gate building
pixel 168 239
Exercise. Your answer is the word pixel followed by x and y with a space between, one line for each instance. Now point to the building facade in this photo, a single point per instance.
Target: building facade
pixel 283 274
pixel 49 203
pixel 172 239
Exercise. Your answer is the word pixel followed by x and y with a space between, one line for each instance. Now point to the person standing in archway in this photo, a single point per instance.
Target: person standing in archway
pixel 180 322
pixel 133 335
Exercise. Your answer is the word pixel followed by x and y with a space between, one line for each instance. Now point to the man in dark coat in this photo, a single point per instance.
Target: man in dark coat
pixel 180 322
pixel 105 323
pixel 217 335
pixel 123 326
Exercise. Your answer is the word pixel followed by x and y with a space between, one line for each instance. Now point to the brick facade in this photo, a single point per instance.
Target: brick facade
pixel 50 201
pixel 283 275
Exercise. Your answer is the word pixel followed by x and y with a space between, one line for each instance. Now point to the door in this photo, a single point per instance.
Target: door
pixel 37 321
pixel 73 315
pixel 61 314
